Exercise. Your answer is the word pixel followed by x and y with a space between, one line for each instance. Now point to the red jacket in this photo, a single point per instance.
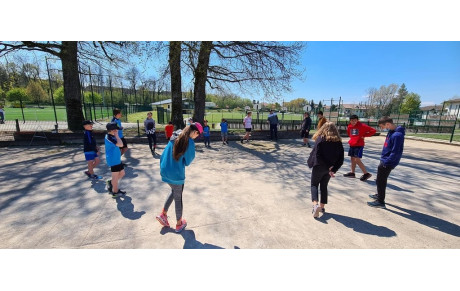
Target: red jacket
pixel 358 132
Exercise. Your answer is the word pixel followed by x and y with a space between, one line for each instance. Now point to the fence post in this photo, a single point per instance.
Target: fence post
pixel 17 125
pixel 138 129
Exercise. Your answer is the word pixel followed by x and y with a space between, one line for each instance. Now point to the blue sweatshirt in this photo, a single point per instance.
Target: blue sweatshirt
pixel 393 147
pixel 206 131
pixel 172 171
pixel 112 151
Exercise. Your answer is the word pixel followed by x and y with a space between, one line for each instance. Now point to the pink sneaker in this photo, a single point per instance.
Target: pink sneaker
pixel 180 227
pixel 163 219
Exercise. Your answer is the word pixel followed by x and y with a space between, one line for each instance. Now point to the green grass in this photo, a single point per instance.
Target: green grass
pixel 45 114
pixel 442 136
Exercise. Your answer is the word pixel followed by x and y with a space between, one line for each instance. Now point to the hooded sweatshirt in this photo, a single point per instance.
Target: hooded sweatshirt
pixel 272 118
pixel 172 171
pixel 393 147
pixel 358 132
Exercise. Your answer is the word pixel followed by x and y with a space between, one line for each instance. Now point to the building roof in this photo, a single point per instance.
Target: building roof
pixel 431 107
pixel 167 101
pixel 456 100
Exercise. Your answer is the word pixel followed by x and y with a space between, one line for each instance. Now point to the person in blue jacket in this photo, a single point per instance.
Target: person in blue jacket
pixel 178 154
pixel 391 155
pixel 91 150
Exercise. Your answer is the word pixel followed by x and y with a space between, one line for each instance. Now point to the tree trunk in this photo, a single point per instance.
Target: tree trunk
pixel 201 74
pixel 72 90
pixel 176 84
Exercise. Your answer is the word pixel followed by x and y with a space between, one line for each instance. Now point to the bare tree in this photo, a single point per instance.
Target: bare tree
pixel 70 53
pixel 254 67
pixel 379 100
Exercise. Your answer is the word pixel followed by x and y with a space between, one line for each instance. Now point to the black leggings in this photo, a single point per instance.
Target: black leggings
pixel 152 139
pixel 319 176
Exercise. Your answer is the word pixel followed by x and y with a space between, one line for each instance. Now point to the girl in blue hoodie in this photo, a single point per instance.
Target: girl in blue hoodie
pixel 179 153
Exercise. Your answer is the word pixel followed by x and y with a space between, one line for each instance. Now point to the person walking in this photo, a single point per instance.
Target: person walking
pixel 224 131
pixel 391 155
pixel 357 131
pixel 305 130
pixel 90 150
pixel 179 153
pixel 273 120
pixel 325 160
pixel 247 123
pixel 149 125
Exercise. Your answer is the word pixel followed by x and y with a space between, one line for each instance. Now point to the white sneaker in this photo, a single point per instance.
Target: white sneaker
pixel 316 210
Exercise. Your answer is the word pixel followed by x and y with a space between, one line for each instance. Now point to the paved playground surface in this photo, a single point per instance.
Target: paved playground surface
pixel 251 196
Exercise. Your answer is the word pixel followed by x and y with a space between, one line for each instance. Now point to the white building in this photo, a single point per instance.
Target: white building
pixel 452 107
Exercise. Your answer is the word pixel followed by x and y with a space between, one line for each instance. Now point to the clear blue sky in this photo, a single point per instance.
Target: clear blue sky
pixel 348 69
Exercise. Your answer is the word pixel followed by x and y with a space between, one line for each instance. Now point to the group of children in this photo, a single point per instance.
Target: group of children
pixel 327 157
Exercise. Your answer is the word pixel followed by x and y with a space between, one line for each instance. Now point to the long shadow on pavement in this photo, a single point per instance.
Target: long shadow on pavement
pixel 358 225
pixel 126 207
pixel 427 220
pixel 190 239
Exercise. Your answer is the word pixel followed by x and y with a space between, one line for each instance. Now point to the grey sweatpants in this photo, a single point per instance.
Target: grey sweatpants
pixel 176 195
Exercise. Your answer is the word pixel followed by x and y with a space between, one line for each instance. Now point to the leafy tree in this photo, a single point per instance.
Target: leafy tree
pixel 36 92
pixel 89 98
pixel 379 100
pixel 58 96
pixel 411 103
pixel 17 94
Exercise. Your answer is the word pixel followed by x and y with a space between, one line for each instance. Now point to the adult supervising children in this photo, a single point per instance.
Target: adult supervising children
pixel 357 131
pixel 113 144
pixel 179 153
pixel 326 158
pixel 247 123
pixel 91 150
pixel 116 118
pixel 391 155
pixel 273 120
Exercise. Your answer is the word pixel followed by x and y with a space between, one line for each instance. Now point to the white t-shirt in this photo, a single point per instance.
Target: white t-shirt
pixel 247 122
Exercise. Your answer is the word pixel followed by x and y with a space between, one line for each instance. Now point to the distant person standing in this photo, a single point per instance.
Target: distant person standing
pixel 247 123
pixel 149 125
pixel 391 155
pixel 116 118
pixel 90 150
pixel 2 115
pixel 273 120
pixel 326 158
pixel 224 131
pixel 169 130
pixel 357 131
pixel 206 134
pixel 305 130
pixel 321 120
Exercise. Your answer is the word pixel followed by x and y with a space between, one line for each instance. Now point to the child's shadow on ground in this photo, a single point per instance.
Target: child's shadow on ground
pixel 190 240
pixel 126 207
pixel 358 225
pixel 129 172
pixel 98 186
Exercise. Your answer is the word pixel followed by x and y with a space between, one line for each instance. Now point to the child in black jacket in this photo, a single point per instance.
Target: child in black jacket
pixel 90 149
pixel 326 158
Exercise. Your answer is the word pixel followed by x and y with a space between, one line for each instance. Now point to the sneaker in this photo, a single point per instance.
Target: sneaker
pixel 349 175
pixel 163 219
pixel 376 204
pixel 315 210
pixel 88 174
pixel 180 227
pixel 373 196
pixel 118 194
pixel 308 145
pixel 304 144
pixel 96 177
pixel 241 140
pixel 365 176
pixel 109 185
